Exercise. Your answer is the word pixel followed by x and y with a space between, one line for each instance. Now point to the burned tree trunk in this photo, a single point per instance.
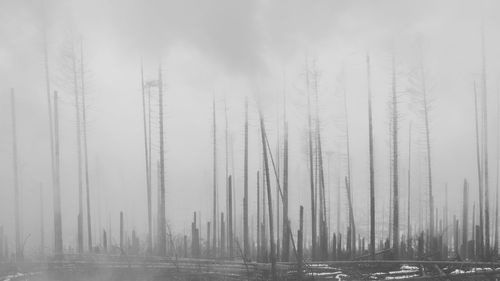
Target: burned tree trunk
pixel 286 224
pixel 230 216
pixel 395 179
pixel 162 231
pixel 465 216
pixel 479 237
pixel 246 246
pixel 85 151
pixel 58 242
pixel 17 210
pixel 485 153
pixel 311 169
pixel 148 167
pixel 372 172
pixel 215 209
pixel 79 154
pixel 269 199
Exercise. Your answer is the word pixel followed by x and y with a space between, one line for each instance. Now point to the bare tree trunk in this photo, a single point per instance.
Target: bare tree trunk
pixel 85 151
pixel 372 172
pixel 286 230
pixel 480 178
pixel 58 242
pixel 425 108
pixel 300 243
pixel 122 249
pixel 409 185
pixel 230 216
pixel 17 211
pixel 311 169
pixel 269 199
pixel 246 246
pixel 148 168
pixel 258 218
pixel 42 231
pixel 465 220
pixel 215 209
pixel 79 153
pixel 395 198
pixel 162 233
pixel 495 244
pixel 485 152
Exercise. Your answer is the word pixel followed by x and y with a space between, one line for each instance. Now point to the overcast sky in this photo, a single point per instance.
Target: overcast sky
pixel 231 50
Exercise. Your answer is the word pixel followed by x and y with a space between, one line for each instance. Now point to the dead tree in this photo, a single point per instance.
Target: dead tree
pixel 465 217
pixel 408 231
pixel 148 168
pixel 258 217
pixel 269 199
pixel 42 231
pixel 58 242
pixel 479 237
pixel 372 172
pixel 246 246
pixel 311 167
pixel 495 242
pixel 85 149
pixel 286 230
pixel 230 216
pixel 395 180
pixel 122 241
pixel 215 209
pixel 162 230
pixel 79 151
pixel 17 210
pixel 485 151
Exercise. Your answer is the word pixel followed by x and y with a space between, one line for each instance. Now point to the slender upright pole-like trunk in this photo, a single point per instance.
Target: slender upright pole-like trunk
pixel 148 168
pixel 321 177
pixel 122 241
pixel 85 150
pixel 395 179
pixel 42 231
pixel 79 154
pixel 162 243
pixel 311 169
pixel 372 172
pixel 495 244
pixel 17 210
pixel 246 245
pixel 258 219
pixel 215 209
pixel 408 231
pixel 230 216
pixel 465 220
pixel 352 226
pixel 286 230
pixel 428 149
pixel 269 199
pixel 49 101
pixel 485 151
pixel 479 237
pixel 58 242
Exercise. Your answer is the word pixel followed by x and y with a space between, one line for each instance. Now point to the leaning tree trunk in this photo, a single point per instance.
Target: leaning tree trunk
pixel 148 168
pixel 485 153
pixel 269 199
